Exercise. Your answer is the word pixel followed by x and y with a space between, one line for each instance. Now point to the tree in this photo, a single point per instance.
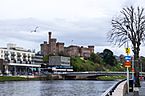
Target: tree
pixel 82 65
pixel 46 59
pixel 96 58
pixel 130 26
pixel 122 60
pixel 108 57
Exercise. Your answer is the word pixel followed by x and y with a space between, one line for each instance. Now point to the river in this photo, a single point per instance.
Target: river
pixel 54 88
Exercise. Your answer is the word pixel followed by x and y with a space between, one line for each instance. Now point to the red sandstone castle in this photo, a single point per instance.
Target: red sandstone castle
pixel 56 48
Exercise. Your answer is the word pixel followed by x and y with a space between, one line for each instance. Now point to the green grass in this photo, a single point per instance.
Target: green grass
pixel 16 78
pixel 110 78
pixel 10 78
pixel 88 65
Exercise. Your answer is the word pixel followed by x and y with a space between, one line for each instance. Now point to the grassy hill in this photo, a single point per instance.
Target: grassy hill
pixel 80 64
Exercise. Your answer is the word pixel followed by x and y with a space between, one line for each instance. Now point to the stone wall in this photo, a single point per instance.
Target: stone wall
pixel 60 48
pixel 44 48
pixel 72 51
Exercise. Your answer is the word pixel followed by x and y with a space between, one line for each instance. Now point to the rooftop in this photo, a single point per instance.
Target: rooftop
pixel 11 46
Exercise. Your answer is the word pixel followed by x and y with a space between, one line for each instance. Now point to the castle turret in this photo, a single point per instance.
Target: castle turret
pixel 49 33
pixel 52 46
pixel 91 48
pixel 44 48
pixel 60 48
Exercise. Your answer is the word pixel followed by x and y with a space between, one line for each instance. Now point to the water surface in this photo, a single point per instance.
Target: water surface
pixel 54 88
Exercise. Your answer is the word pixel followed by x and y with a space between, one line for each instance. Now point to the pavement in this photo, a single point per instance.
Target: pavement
pixel 141 91
pixel 137 91
pixel 119 90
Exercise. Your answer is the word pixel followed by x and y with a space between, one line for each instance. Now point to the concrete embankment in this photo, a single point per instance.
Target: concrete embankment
pixel 121 89
pixel 118 89
pixel 63 77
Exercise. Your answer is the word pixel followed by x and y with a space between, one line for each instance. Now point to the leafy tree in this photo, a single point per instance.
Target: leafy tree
pixel 108 57
pixel 122 60
pixel 82 65
pixel 96 58
pixel 46 58
pixel 130 26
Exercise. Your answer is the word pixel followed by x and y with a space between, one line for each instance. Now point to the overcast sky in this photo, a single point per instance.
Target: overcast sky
pixel 81 22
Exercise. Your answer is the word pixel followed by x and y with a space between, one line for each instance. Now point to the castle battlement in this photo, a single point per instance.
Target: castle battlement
pixel 57 48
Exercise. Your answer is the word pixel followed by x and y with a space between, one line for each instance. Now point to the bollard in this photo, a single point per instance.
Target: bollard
pixel 130 85
pixel 136 91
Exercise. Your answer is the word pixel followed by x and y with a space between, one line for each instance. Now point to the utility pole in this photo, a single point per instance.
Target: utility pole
pixel 127 63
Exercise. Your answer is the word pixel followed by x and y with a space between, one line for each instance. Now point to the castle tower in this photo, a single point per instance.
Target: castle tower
pixel 52 46
pixel 91 48
pixel 60 48
pixel 49 39
pixel 44 48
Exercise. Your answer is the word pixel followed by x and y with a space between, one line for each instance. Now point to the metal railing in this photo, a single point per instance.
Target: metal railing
pixel 109 91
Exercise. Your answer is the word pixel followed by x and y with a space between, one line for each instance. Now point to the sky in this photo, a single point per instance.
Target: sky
pixel 74 22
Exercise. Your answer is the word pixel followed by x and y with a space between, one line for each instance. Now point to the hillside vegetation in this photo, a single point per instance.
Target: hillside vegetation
pixel 105 61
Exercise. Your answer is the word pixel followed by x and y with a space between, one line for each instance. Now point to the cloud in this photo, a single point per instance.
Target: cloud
pixel 82 32
pixel 85 22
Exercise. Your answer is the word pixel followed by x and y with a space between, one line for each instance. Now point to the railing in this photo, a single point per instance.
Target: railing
pixel 109 91
pixel 103 73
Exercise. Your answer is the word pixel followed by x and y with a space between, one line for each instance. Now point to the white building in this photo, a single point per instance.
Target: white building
pixel 17 60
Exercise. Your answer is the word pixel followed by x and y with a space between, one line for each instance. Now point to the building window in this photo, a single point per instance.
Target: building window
pixel 18 54
pixel 1 55
pixel 6 53
pixel 1 51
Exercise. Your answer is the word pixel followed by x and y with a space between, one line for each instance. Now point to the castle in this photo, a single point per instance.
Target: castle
pixel 57 48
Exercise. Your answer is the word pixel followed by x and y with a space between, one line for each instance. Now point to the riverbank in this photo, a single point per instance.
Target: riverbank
pixel 31 78
pixel 17 78
pixel 110 78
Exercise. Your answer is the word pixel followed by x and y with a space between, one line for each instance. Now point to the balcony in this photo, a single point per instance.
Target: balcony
pixel 7 60
pixel 24 59
pixel 29 61
pixel 13 54
pixel 6 57
pixel 6 53
pixel 19 59
pixel 19 55
pixel 14 61
pixel 12 58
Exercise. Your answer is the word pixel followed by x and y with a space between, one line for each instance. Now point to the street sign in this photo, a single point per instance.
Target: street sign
pixel 127 57
pixel 127 50
pixel 127 64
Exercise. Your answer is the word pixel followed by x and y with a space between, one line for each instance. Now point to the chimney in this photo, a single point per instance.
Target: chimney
pixel 49 33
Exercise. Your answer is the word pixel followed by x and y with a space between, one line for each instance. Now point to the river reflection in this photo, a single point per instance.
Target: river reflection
pixel 54 88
